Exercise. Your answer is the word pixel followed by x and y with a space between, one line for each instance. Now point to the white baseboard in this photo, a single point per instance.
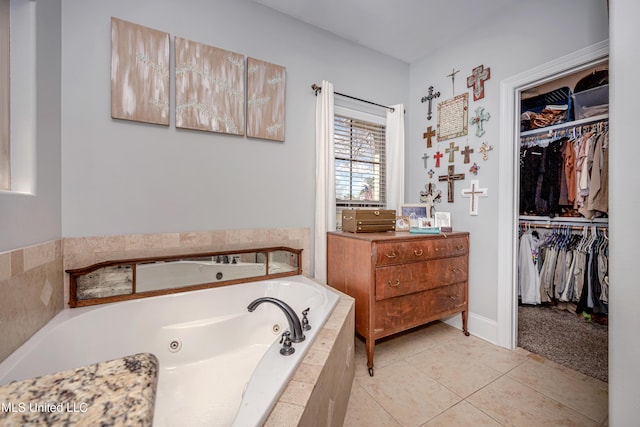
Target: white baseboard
pixel 479 326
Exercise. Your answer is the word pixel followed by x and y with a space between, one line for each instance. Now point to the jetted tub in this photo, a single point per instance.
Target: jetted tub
pixel 170 274
pixel 220 364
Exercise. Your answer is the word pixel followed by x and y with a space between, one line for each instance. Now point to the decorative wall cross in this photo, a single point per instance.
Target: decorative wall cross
pixel 430 133
pixel 437 156
pixel 453 79
pixel 425 157
pixel 479 119
pixel 474 168
pixel 477 79
pixel 429 98
pixel 484 149
pixel 467 152
pixel 451 151
pixel 450 177
pixel 429 197
pixel 473 193
pixel 431 173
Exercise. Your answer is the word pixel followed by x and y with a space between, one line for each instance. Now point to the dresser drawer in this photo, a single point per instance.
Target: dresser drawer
pixel 388 253
pixel 408 311
pixel 396 280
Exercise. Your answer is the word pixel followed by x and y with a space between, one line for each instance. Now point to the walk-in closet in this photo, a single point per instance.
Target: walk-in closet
pixel 563 279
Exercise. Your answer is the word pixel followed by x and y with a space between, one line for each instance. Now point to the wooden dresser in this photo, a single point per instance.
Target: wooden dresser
pixel 399 280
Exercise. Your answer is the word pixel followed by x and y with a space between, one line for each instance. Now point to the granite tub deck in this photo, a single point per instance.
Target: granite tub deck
pixel 118 392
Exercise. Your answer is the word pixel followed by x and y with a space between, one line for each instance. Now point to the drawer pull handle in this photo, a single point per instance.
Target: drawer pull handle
pixel 397 283
pixel 417 252
pixel 459 247
pixel 392 255
pixel 348 218
pixel 456 270
pixel 376 213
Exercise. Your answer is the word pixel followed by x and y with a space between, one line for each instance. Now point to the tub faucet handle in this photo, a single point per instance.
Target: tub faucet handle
pixel 287 348
pixel 305 321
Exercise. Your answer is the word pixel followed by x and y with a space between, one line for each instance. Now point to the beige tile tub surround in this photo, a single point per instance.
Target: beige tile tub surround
pixel 31 282
pixel 31 285
pixel 84 251
pixel 318 393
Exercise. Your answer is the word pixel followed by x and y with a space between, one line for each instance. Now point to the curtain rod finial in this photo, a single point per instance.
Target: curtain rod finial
pixel 316 88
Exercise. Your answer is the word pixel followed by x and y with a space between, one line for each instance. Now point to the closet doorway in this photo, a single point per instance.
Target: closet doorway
pixel 563 220
pixel 509 157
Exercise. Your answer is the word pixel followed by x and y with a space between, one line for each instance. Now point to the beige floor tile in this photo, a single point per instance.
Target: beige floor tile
pixel 397 347
pixel 498 358
pixel 363 410
pixel 514 404
pixel 462 415
pixel 586 395
pixel 410 396
pixel 456 371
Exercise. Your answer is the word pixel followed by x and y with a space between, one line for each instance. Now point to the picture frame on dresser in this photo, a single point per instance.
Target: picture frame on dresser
pixel 442 219
pixel 402 223
pixel 413 211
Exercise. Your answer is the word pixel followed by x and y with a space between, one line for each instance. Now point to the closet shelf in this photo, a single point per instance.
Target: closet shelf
pixel 565 125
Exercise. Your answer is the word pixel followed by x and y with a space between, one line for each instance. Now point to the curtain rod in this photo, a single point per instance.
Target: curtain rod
pixel 317 89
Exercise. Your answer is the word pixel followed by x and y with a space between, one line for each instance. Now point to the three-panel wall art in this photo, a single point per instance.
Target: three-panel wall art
pixel 210 92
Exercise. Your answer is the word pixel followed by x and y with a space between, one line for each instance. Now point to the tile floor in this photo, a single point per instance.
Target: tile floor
pixel 435 376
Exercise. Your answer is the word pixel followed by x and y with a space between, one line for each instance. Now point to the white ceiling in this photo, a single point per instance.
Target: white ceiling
pixel 404 29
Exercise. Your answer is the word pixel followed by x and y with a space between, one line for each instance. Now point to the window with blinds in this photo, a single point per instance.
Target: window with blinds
pixel 359 148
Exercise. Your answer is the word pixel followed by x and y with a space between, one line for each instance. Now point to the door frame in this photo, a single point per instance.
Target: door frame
pixel 509 177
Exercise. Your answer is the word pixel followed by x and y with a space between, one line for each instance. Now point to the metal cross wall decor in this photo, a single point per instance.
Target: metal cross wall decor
pixel 477 79
pixel 429 98
pixel 453 80
pixel 479 119
pixel 473 193
pixel 425 157
pixel 450 177
pixel 430 133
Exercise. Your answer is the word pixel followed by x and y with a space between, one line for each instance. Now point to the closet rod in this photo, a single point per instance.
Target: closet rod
pixel 317 89
pixel 573 226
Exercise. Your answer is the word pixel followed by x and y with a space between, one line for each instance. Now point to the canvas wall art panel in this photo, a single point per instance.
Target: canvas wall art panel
pixel 209 88
pixel 139 73
pixel 266 85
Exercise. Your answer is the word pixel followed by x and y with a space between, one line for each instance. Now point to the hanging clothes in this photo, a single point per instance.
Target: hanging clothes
pixel 598 199
pixel 565 174
pixel 564 266
pixel 528 271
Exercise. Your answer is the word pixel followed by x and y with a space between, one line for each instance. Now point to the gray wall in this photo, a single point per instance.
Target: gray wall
pixel 624 293
pixel 509 44
pixel 126 177
pixel 27 219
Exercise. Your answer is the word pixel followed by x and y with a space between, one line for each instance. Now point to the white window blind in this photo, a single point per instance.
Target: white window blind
pixel 359 148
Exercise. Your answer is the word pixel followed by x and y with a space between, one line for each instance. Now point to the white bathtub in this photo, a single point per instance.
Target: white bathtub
pixel 228 369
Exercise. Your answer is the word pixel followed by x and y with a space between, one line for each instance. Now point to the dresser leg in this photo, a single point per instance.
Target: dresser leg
pixel 370 343
pixel 464 323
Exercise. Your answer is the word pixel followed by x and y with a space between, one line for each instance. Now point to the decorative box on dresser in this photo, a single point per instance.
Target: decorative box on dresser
pixel 399 280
